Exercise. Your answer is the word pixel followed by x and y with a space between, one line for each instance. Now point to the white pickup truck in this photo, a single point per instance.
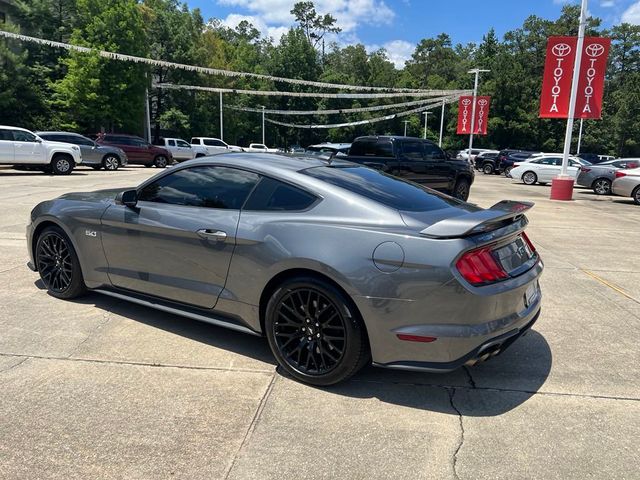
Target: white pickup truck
pixel 259 147
pixel 22 148
pixel 214 145
pixel 181 150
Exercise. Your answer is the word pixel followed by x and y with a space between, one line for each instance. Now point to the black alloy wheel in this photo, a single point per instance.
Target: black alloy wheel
pixel 507 171
pixel 602 186
pixel 58 264
pixel 111 162
pixel 636 196
pixel 314 333
pixel 461 190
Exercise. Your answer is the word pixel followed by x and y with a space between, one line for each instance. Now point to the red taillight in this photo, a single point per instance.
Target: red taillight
pixel 478 267
pixel 526 239
pixel 620 174
pixel 415 338
pixel 585 169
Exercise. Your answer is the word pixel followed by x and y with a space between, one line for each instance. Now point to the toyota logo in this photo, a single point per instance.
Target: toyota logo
pixel 594 50
pixel 483 102
pixel 561 50
pixel 466 102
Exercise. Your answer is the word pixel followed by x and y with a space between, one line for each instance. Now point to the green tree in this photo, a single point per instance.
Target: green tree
pixel 314 25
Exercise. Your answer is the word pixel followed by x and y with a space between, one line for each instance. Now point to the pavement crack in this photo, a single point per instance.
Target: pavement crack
pixel 472 382
pixel 454 459
pixel 11 269
pixel 106 316
pixel 254 422
pixel 14 365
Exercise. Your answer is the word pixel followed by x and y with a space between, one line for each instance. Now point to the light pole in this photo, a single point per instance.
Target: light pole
pixel 263 125
pixel 405 127
pixel 426 116
pixel 579 137
pixel 221 120
pixel 477 72
pixel 441 124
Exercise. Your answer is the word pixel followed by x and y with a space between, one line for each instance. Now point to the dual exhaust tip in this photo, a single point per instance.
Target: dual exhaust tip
pixel 486 355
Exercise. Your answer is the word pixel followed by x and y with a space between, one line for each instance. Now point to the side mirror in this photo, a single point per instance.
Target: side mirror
pixel 129 198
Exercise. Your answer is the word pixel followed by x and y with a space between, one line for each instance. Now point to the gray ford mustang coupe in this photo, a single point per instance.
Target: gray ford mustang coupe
pixel 336 264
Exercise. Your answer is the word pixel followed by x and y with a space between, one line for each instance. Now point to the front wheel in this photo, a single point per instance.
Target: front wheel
pixel 111 162
pixel 58 264
pixel 461 190
pixel 602 186
pixel 507 171
pixel 160 161
pixel 61 164
pixel 315 332
pixel 529 178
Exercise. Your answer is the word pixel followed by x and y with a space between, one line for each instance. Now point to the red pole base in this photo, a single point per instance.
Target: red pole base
pixel 562 188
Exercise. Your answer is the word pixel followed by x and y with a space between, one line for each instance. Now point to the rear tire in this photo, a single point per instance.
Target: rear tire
pixel 487 169
pixel 602 186
pixel 160 161
pixel 636 196
pixel 529 178
pixel 461 190
pixel 58 264
pixel 61 164
pixel 507 171
pixel 315 331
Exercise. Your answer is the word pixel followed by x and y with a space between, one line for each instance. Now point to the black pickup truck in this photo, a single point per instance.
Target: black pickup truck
pixel 414 159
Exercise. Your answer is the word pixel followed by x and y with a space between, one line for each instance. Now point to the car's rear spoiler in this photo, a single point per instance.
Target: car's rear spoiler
pixel 501 214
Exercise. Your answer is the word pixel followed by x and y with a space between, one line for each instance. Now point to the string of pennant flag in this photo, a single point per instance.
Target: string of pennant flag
pixel 204 70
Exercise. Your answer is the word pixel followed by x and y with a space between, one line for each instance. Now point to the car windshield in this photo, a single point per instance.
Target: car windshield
pixel 380 187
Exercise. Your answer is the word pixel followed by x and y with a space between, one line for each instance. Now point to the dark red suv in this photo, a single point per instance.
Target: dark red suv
pixel 138 150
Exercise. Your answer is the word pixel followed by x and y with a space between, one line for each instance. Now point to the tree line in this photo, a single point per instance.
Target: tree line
pixel 50 88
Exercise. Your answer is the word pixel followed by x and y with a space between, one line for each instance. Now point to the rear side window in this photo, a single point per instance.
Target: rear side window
pixel 372 148
pixel 272 195
pixel 385 189
pixel 213 143
pixel 6 135
pixel 206 186
pixel 433 152
pixel 412 151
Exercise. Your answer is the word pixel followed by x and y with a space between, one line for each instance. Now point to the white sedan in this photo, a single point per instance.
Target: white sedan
pixel 544 168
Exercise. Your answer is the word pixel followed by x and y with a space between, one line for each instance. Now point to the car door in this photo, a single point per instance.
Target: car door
pixel 548 168
pixel 185 151
pixel 413 165
pixel 28 149
pixel 573 169
pixel 178 241
pixel 441 172
pixel 6 147
pixel 91 155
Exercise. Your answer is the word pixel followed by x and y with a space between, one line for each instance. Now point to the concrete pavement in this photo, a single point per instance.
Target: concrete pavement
pixel 98 388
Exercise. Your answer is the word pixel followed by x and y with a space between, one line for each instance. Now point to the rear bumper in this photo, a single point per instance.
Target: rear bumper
pixel 487 349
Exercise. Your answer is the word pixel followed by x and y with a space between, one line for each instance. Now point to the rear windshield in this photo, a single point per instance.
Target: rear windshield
pixel 372 148
pixel 380 187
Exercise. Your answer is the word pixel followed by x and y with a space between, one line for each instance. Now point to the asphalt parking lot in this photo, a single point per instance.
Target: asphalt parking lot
pixel 99 388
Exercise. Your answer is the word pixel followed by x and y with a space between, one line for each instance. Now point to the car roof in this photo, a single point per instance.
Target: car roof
pixel 331 145
pixel 390 137
pixel 261 162
pixel 208 138
pixel 59 133
pixel 7 127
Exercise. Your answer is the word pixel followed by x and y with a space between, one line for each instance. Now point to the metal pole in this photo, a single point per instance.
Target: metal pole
pixel 441 124
pixel 477 72
pixel 574 89
pixel 405 127
pixel 579 137
pixel 426 116
pixel 147 111
pixel 221 120
pixel 263 125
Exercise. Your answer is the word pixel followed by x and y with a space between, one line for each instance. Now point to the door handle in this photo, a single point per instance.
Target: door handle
pixel 208 233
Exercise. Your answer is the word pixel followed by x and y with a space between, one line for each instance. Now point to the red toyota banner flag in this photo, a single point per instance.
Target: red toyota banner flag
pixel 464 115
pixel 558 72
pixel 593 67
pixel 482 115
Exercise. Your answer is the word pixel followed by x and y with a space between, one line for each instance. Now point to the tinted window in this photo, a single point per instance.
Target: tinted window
pixel 138 142
pixel 6 135
pixel 118 140
pixel 213 143
pixel 80 140
pixel 382 188
pixel 213 187
pixel 22 136
pixel 412 151
pixel 432 152
pixel 272 195
pixel 172 143
pixel 182 143
pixel 373 148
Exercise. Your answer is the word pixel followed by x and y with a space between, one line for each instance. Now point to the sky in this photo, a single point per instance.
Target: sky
pixel 398 25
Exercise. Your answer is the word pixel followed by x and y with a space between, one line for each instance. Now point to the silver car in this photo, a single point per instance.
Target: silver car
pixel 599 177
pixel 337 264
pixel 93 154
pixel 627 184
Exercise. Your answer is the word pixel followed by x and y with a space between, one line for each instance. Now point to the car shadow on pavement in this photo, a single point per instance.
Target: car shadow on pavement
pixel 21 173
pixel 510 379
